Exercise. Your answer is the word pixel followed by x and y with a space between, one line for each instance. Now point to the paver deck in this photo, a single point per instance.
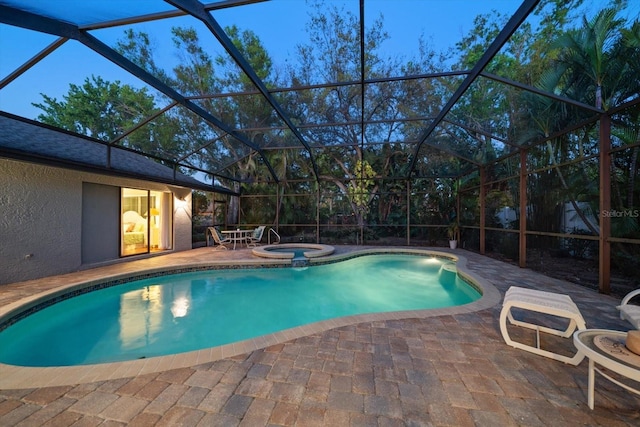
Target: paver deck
pixel 448 369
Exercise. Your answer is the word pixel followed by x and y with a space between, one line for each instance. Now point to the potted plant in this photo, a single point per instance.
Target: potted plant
pixel 452 232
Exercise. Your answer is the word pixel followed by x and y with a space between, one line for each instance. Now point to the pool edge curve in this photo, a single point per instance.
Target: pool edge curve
pixel 20 377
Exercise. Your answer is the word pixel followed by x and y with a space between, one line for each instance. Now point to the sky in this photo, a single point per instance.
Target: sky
pixel 280 25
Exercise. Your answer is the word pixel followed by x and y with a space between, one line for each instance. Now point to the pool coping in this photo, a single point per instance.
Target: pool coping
pixel 21 377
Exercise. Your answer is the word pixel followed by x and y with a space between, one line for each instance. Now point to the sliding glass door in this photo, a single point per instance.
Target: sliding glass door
pixel 146 218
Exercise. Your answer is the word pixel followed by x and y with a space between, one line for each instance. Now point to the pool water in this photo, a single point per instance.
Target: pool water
pixel 191 311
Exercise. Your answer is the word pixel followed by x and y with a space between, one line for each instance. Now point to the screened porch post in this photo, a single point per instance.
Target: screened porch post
pixel 227 210
pixel 459 234
pixel 483 191
pixel 408 212
pixel 522 234
pixel 277 224
pixel 604 270
pixel 317 212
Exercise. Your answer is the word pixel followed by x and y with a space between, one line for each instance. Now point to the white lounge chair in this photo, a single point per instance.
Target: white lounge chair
pixel 558 305
pixel 218 238
pixel 630 312
pixel 255 237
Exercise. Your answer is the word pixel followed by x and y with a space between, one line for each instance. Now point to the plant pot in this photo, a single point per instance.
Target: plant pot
pixel 453 244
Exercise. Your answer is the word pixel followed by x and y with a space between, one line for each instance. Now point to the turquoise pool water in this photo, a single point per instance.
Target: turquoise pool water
pixel 185 312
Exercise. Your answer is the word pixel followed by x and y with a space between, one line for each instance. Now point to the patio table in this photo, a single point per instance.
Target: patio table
pixel 607 349
pixel 237 236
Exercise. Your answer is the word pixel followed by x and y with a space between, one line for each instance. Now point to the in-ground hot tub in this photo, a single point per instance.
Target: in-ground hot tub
pixel 293 250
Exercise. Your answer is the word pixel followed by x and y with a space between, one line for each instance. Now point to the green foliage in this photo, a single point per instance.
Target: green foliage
pixel 579 248
pixel 360 187
pixel 453 230
pixel 201 202
pixel 98 108
pixel 592 63
pixel 363 169
pixel 251 48
pixel 590 58
pixel 106 110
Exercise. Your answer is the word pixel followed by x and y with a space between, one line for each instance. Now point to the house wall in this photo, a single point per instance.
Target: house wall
pixel 41 217
pixel 101 222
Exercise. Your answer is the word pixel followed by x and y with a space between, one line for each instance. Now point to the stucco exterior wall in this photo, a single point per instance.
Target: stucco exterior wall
pixel 182 221
pixel 41 214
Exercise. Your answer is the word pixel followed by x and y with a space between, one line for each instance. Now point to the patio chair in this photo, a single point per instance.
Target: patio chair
pixel 630 312
pixel 546 303
pixel 218 238
pixel 254 239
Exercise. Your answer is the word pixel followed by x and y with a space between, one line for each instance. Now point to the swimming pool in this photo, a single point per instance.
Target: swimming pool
pixel 172 314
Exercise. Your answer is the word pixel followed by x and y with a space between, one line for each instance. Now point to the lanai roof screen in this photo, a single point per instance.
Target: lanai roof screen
pixel 215 87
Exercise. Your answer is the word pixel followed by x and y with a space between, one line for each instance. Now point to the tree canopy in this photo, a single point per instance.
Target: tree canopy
pixel 359 114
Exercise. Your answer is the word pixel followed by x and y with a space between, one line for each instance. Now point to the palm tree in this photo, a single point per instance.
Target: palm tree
pixel 590 60
pixel 595 64
pixel 598 63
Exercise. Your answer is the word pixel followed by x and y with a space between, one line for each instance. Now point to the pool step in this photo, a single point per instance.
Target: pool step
pixel 450 267
pixel 300 262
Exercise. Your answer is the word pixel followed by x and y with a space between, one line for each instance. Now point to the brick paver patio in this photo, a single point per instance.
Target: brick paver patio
pixel 449 370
